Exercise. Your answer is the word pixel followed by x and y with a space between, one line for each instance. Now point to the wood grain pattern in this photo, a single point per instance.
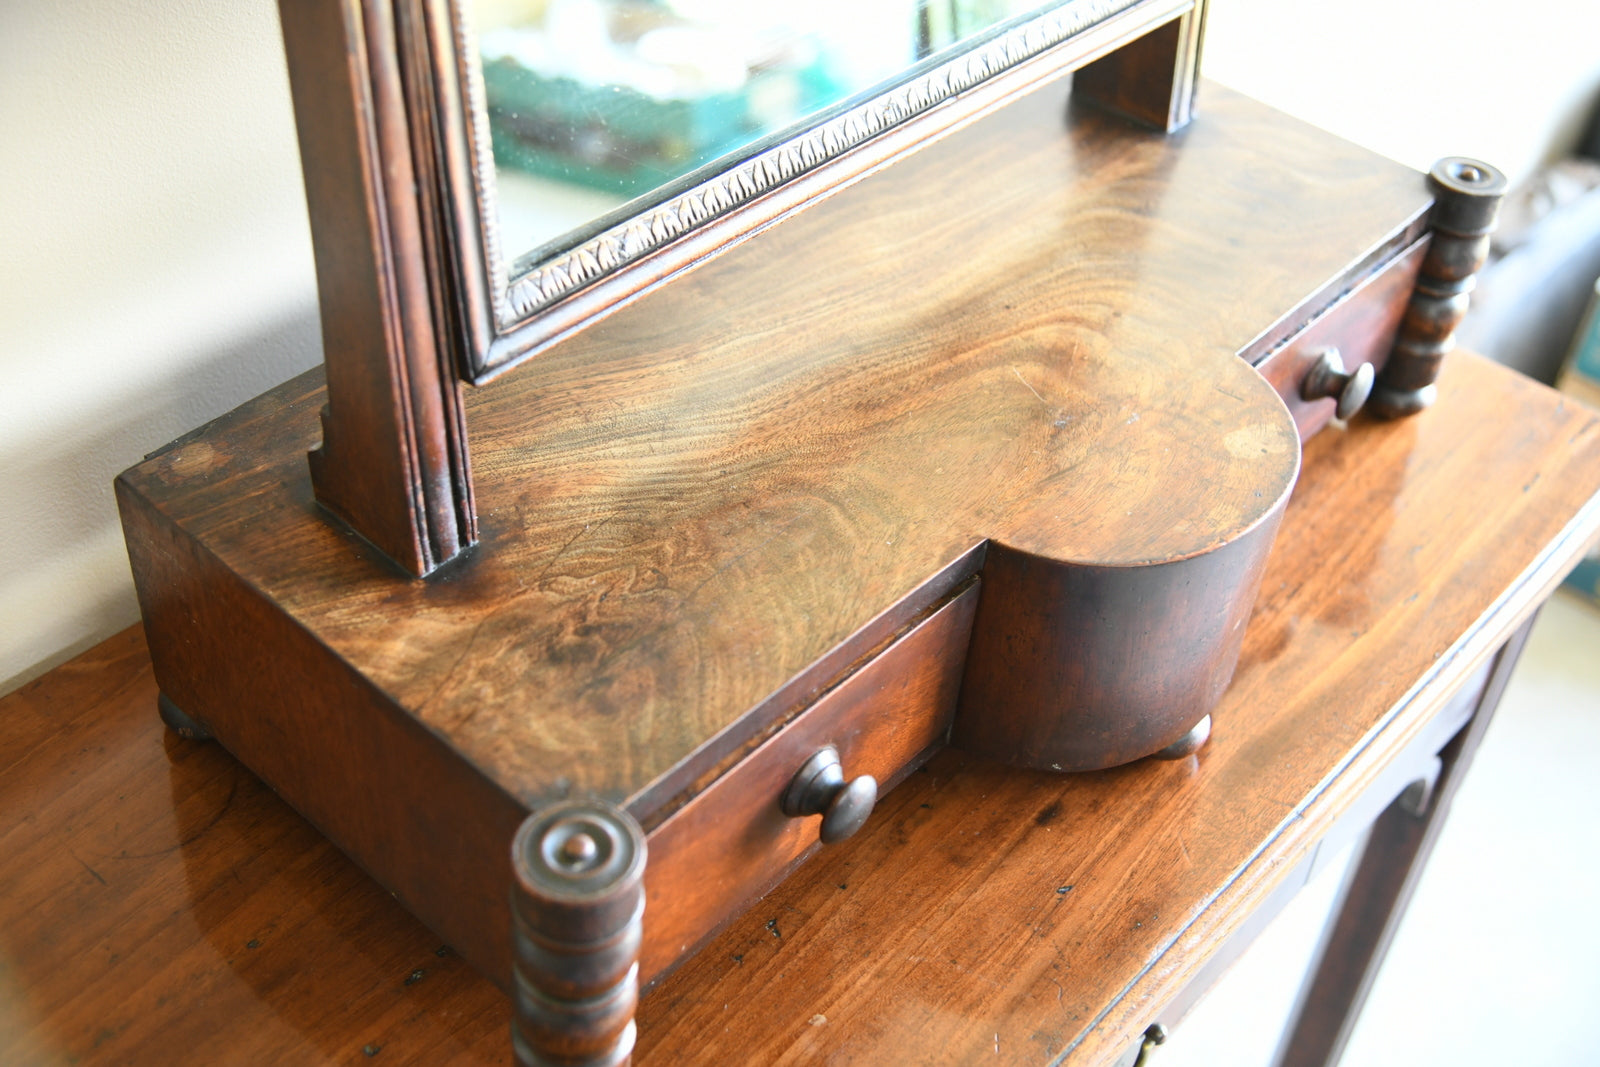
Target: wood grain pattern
pixel 392 461
pixel 412 282
pixel 436 828
pixel 1419 757
pixel 1012 917
pixel 571 290
pixel 732 843
pixel 163 907
pixel 601 588
pixel 1362 326
pixel 159 906
pixel 700 513
pixel 1375 897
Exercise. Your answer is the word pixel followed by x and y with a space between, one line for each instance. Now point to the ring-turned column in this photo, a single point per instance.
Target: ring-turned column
pixel 1467 197
pixel 577 906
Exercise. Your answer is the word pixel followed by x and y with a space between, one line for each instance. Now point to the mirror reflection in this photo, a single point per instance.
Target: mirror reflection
pixel 600 108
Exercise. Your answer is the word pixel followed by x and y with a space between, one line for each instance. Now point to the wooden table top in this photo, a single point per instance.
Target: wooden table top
pixel 161 906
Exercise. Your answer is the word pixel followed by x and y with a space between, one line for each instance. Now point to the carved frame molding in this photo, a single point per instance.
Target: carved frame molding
pixel 505 318
pixel 415 294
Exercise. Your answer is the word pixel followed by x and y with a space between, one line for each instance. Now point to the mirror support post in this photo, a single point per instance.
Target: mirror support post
pixel 393 461
pixel 1152 79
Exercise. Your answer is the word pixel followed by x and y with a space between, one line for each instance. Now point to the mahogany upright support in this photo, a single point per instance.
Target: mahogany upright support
pixel 1152 79
pixel 1467 195
pixel 393 460
pixel 1375 896
pixel 577 906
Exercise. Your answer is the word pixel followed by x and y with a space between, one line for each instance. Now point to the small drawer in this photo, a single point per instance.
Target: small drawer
pixel 732 843
pixel 1361 325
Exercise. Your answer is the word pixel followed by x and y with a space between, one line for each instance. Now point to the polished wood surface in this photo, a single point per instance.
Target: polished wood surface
pixel 1361 327
pixel 652 508
pixel 1378 891
pixel 701 513
pixel 733 841
pixel 995 915
pixel 1081 642
pixel 768 195
pixel 392 459
pixel 162 907
pixel 410 274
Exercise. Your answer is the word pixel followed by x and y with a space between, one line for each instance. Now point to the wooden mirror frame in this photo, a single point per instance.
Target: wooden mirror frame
pixel 393 143
pixel 509 315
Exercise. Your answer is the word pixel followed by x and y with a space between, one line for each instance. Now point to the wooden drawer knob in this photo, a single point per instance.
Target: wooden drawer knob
pixel 819 788
pixel 1328 378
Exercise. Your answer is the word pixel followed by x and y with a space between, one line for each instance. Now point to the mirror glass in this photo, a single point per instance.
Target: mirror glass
pixel 599 109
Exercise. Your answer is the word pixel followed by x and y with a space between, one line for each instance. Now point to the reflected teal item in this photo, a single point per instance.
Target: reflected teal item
pixel 619 140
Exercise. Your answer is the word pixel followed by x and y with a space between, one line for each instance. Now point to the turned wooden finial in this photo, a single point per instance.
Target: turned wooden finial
pixel 577 904
pixel 1467 197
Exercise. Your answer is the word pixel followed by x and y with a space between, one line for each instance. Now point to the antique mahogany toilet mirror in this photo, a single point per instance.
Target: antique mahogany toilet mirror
pixel 964 451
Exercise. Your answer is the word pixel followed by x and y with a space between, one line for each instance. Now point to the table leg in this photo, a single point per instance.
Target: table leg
pixel 1376 894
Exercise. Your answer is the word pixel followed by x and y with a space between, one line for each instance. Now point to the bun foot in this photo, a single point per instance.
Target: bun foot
pixel 1189 743
pixel 178 722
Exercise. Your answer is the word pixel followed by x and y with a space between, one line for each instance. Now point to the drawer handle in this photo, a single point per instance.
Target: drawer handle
pixel 1327 378
pixel 1155 1034
pixel 819 788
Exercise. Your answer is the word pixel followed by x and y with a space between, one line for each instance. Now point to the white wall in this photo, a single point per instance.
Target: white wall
pixel 155 268
pixel 1508 82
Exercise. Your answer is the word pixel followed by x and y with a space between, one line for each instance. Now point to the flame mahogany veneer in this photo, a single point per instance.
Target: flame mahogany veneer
pixel 996 387
pixel 162 906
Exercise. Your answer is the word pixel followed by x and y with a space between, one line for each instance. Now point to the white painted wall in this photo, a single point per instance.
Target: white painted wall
pixel 1510 83
pixel 155 271
pixel 155 268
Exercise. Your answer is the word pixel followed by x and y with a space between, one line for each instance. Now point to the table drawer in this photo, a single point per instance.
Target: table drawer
pixel 1361 325
pixel 732 843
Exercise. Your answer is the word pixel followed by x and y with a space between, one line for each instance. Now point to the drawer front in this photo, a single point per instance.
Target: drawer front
pixel 731 844
pixel 1361 325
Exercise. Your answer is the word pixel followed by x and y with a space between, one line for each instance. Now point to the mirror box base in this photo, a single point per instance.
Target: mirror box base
pixel 967 450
